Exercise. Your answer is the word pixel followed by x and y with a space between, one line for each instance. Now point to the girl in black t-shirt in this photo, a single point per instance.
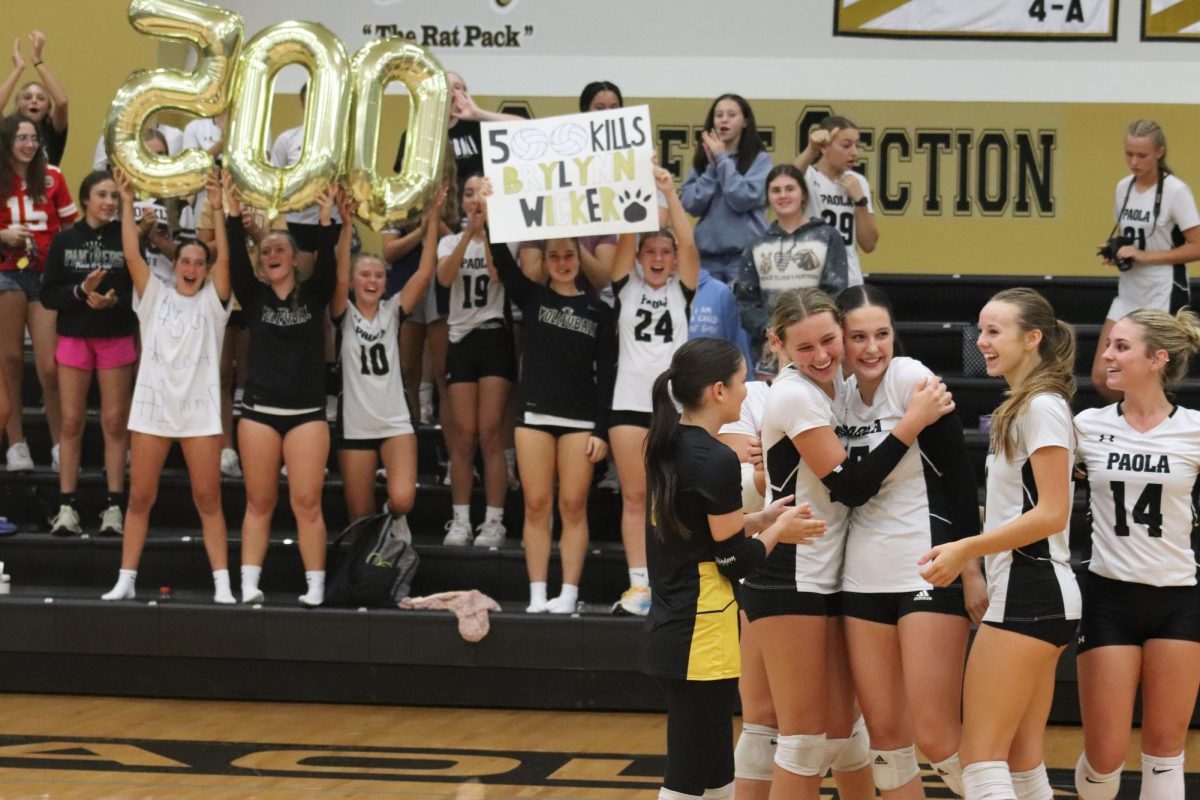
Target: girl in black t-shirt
pixel 696 546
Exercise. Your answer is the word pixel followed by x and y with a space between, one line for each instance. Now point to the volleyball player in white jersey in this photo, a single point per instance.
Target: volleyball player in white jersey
pixel 1033 600
pixel 907 639
pixel 791 597
pixel 1159 226
pixel 373 421
pixel 1141 603
pixel 836 192
pixel 653 306
pixel 481 366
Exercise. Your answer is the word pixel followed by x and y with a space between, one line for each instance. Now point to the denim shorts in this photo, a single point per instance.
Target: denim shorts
pixel 21 280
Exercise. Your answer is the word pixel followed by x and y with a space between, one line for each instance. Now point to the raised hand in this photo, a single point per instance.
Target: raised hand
pixel 37 43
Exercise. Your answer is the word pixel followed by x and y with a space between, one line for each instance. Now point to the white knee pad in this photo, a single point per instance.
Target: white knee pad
pixel 851 754
pixel 1032 784
pixel 1092 785
pixel 1162 777
pixel 950 771
pixel 988 780
pixel 754 756
pixel 894 768
pixel 801 754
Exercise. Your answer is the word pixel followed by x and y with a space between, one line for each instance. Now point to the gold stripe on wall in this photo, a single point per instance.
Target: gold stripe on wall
pixel 1171 21
pixel 853 18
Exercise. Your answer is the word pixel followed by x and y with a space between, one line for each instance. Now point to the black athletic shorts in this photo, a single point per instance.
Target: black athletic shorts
pixel 759 603
pixel 1058 632
pixel 486 352
pixel 283 423
pixel 888 607
pixel 1121 613
pixel 640 419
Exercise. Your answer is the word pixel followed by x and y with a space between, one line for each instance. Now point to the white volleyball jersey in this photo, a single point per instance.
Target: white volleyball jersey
pixel 750 422
pixel 373 404
pixel 831 202
pixel 909 514
pixel 652 325
pixel 1149 285
pixel 1143 495
pixel 178 388
pixel 1034 582
pixel 794 405
pixel 474 297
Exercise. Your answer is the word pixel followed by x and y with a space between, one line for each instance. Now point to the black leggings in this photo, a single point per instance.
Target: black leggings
pixel 699 734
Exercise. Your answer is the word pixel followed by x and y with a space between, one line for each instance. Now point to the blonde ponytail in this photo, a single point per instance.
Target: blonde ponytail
pixel 1178 335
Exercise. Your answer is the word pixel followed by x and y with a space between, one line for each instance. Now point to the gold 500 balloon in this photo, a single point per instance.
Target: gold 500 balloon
pixel 341 118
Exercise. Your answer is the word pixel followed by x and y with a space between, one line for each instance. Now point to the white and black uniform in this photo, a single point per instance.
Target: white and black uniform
pixel 1031 590
pixel 481 343
pixel 831 202
pixel 797 580
pixel 1141 583
pixel 1155 221
pixel 651 325
pixel 751 420
pixel 371 408
pixel 930 498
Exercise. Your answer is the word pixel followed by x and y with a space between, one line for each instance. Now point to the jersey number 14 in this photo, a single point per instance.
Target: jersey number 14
pixel 1146 511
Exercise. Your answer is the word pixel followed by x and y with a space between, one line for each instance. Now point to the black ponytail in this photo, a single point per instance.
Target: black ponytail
pixel 697 365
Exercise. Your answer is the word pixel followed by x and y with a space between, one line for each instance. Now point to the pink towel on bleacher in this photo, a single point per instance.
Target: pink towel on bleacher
pixel 471 608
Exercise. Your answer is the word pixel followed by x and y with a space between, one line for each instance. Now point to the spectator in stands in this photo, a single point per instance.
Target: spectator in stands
pixel 1141 604
pixel 43 205
pixel 153 220
pixel 44 101
pixel 1159 227
pixel 715 314
pixel 182 324
pixel 372 422
pixel 88 284
pixel 566 385
pixel 837 193
pixel 725 186
pixel 171 135
pixel 654 287
pixel 283 412
pixel 1033 600
pixel 481 367
pixel 796 252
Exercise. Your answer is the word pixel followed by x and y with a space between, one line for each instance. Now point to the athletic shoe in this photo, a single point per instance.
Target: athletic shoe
pixel 231 465
pixel 425 404
pixel 490 534
pixel 610 482
pixel 19 459
pixel 7 528
pixel 66 522
pixel 54 460
pixel 112 521
pixel 634 602
pixel 458 534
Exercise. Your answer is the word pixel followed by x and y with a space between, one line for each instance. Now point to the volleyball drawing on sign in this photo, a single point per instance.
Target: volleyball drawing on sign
pixel 575 175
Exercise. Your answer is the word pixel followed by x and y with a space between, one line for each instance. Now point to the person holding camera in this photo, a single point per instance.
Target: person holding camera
pixel 1157 232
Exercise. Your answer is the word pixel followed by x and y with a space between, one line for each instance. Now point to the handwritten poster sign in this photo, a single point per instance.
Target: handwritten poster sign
pixel 574 175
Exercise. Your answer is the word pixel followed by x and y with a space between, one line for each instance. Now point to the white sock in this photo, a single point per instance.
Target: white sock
pixel 1033 784
pixel 221 591
pixel 462 513
pixel 493 514
pixel 537 598
pixel 950 771
pixel 315 578
pixel 124 588
pixel 565 602
pixel 1092 785
pixel 250 576
pixel 988 780
pixel 1162 777
pixel 639 577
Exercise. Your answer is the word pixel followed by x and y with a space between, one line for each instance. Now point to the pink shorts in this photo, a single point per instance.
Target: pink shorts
pixel 104 353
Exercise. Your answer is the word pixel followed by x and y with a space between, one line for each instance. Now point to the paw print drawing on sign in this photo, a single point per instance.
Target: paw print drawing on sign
pixel 636 205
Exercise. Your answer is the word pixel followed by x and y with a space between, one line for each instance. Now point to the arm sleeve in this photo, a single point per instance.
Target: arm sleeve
pixel 324 276
pixel 698 191
pixel 721 489
pixel 748 291
pixel 606 370
pixel 835 277
pixel 739 555
pixel 943 445
pixel 744 193
pixel 853 483
pixel 515 283
pixel 241 272
pixel 57 285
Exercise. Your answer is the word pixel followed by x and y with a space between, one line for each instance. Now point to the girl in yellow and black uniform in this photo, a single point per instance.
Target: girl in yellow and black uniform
pixel 697 543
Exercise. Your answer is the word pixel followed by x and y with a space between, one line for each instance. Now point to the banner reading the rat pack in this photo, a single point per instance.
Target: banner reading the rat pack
pixel 574 175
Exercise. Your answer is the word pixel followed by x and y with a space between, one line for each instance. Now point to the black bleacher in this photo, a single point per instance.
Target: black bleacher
pixel 188 647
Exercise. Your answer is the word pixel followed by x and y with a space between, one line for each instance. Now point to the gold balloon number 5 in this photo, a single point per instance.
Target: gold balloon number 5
pixel 226 77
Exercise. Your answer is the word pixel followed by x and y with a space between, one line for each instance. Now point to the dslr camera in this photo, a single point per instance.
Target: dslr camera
pixel 1110 248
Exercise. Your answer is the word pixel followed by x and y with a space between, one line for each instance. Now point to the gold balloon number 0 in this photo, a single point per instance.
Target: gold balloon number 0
pixel 229 78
